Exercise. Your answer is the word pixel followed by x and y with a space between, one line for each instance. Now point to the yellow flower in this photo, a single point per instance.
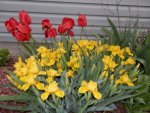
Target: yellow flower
pixel 52 88
pixel 52 73
pixel 49 79
pixel 83 43
pixel 124 79
pixel 60 69
pixel 92 45
pixel 39 86
pixel 14 83
pixel 112 65
pixel 42 49
pixel 75 48
pixel 137 66
pixel 112 77
pixel 26 86
pixel 73 63
pixel 121 54
pixel 70 73
pixel 20 68
pixel 105 74
pixel 109 63
pixel 118 81
pixel 99 49
pixel 128 51
pixel 32 65
pixel 90 87
pixel 114 49
pixel 129 61
pixel 122 71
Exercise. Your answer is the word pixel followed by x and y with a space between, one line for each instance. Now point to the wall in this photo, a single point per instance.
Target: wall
pixel 55 10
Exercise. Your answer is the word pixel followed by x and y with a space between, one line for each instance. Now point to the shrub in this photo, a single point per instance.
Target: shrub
pixel 4 55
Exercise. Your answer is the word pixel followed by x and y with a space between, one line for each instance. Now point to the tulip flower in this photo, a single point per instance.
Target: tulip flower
pixel 52 33
pixel 82 22
pixel 24 17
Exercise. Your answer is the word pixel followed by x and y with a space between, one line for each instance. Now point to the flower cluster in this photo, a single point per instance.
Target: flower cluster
pixel 47 63
pixel 21 30
pixel 70 73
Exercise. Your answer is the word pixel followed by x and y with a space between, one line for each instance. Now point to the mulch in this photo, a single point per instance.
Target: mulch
pixel 7 91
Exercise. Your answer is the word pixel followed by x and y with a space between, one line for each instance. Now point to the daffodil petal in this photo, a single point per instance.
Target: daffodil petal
pixel 60 93
pixel 25 87
pixel 130 84
pixel 40 86
pixel 84 83
pixel 97 95
pixel 82 90
pixel 45 95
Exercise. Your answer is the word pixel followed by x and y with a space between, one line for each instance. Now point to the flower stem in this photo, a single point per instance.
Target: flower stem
pixel 85 34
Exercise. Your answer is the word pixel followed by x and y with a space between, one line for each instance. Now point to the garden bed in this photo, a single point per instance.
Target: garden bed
pixel 7 91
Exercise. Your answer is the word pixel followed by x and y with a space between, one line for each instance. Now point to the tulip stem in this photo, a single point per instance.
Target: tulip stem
pixel 81 33
pixel 85 33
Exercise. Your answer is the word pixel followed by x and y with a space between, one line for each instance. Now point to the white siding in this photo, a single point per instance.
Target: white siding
pixel 55 10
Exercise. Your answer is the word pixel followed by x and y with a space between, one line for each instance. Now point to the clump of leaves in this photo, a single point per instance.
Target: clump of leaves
pixel 129 37
pixel 141 103
pixel 4 55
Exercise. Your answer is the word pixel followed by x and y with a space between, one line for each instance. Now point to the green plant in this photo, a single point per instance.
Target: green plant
pixel 141 103
pixel 71 76
pixel 126 37
pixel 129 37
pixel 4 55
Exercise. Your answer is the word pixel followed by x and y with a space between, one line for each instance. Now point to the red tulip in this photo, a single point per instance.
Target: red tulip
pixel 24 17
pixel 68 23
pixel 70 33
pixel 46 24
pixel 21 37
pixel 52 33
pixel 11 24
pixel 61 29
pixel 46 33
pixel 82 20
pixel 24 28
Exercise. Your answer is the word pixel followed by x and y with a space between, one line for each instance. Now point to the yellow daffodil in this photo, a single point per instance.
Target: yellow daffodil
pixel 90 87
pixel 128 51
pixel 124 79
pixel 52 73
pixel 109 63
pixel 52 88
pixel 112 77
pixel 70 73
pixel 129 61
pixel 73 63
pixel 105 74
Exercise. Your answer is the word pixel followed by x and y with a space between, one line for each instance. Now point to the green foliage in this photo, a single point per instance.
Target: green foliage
pixel 129 37
pixel 4 55
pixel 143 52
pixel 73 102
pixel 125 38
pixel 140 103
